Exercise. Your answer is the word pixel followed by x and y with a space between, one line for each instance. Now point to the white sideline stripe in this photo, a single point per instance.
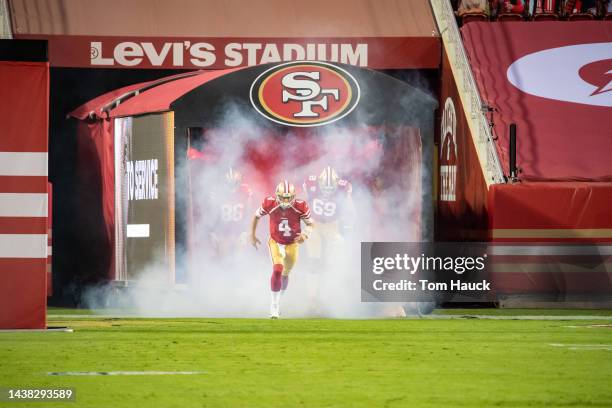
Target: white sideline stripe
pixel 48 330
pixel 77 373
pixel 607 347
pixel 23 205
pixel 23 246
pixel 551 250
pixel 138 230
pixel 430 316
pixel 23 164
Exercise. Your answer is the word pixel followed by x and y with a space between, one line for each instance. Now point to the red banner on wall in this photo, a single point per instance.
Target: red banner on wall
pixel 553 81
pixel 24 121
pixel 462 191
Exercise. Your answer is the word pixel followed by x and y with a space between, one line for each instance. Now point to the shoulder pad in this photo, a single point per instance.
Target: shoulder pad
pixel 300 205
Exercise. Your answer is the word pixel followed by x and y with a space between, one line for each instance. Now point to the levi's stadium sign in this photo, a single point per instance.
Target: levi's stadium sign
pixel 305 93
pixel 125 52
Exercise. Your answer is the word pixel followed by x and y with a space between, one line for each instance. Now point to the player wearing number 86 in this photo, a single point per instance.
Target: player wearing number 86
pixel 228 223
pixel 286 215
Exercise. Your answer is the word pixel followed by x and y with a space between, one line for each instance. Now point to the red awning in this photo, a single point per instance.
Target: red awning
pixel 145 97
pixel 159 98
pixel 551 79
pixel 95 106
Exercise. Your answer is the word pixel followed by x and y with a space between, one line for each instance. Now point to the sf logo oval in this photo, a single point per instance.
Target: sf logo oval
pixel 305 93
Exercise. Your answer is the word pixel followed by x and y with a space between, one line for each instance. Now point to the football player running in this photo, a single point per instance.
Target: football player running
pixel 286 213
pixel 232 203
pixel 333 211
pixel 332 207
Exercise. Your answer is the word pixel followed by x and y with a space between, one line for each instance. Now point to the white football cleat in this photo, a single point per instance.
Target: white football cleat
pixel 274 311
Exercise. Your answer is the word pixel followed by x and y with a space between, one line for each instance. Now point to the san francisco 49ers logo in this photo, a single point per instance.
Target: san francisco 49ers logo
pixel 305 93
pixel 582 74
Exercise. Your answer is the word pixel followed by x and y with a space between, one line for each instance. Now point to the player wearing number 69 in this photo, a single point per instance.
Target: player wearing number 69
pixel 332 208
pixel 286 214
pixel 333 211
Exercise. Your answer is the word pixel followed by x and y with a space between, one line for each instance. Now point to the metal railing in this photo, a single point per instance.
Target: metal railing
pixel 5 21
pixel 475 110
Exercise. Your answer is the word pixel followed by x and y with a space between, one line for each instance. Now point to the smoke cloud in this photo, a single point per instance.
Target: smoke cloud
pixel 225 276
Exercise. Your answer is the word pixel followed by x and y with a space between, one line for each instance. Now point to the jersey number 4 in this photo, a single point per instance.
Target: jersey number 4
pixel 285 228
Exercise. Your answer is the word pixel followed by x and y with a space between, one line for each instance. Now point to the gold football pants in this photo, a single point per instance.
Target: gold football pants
pixel 285 255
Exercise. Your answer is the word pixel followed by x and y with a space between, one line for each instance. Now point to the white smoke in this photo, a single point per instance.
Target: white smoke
pixel 234 281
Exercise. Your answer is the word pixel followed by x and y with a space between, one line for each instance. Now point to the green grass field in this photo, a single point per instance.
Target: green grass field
pixel 430 362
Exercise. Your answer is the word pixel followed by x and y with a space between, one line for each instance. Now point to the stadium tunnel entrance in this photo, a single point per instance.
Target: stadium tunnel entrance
pixel 379 170
pixel 96 48
pixel 174 141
